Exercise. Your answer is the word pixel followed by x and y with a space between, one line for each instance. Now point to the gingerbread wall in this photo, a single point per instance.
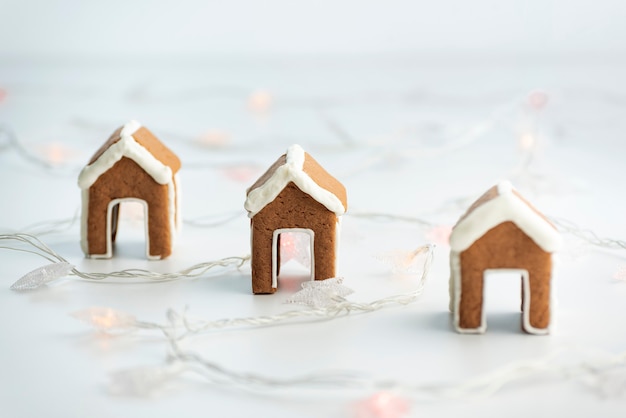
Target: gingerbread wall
pixel 124 180
pixel 292 208
pixel 504 247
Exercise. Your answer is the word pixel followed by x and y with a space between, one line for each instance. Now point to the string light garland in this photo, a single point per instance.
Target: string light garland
pixel 441 233
pixel 380 216
pixel 597 371
pixel 34 280
pixel 212 221
pixel 106 319
pixel 61 225
pixel 382 404
pixel 62 268
pixel 620 274
pixel 588 235
pixel 59 159
pixel 400 261
pixel 50 273
pixel 385 398
pixel 48 227
pixel 145 380
pixel 260 102
pixel 55 160
pixel 596 368
pixel 43 275
pixel 214 139
pixel 326 299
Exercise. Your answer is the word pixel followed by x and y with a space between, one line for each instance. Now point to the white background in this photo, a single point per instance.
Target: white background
pixel 429 113
pixel 322 26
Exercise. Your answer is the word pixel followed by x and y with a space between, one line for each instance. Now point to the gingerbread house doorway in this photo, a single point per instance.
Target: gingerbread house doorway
pixel 135 217
pixel 294 194
pixel 503 300
pixel 131 164
pixel 291 244
pixel 502 232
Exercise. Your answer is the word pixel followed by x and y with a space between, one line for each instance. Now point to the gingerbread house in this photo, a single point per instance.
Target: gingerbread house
pixel 501 231
pixel 132 165
pixel 295 195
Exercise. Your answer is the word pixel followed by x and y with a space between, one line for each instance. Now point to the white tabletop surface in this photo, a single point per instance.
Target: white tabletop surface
pixel 406 136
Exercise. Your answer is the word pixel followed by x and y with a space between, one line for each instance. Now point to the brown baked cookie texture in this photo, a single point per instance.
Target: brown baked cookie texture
pixel 132 165
pixel 294 195
pixel 501 231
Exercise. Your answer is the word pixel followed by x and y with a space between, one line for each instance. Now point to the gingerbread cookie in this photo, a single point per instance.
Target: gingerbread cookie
pixel 295 195
pixel 502 231
pixel 132 165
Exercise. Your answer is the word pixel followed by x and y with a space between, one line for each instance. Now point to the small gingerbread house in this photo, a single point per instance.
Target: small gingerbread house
pixel 132 165
pixel 501 231
pixel 295 195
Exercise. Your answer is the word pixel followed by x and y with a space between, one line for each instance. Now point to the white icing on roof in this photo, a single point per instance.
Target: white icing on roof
pixel 130 128
pixel 507 206
pixel 129 148
pixel 505 187
pixel 291 171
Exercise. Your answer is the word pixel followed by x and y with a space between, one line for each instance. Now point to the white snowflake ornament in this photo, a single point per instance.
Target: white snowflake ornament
pixel 321 293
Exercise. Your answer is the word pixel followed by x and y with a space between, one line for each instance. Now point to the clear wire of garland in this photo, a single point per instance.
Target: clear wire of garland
pixel 144 380
pixel 182 361
pixel 61 267
pixel 587 235
pixel 58 163
pixel 60 225
pixel 180 326
pixel 107 319
pixel 263 101
pixel 37 247
pixel 596 369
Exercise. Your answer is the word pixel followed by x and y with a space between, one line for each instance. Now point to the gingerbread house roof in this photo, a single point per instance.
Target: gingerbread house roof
pixel 300 168
pixel 140 145
pixel 501 204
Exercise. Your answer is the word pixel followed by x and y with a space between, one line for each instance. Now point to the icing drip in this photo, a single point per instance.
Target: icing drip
pixel 507 206
pixel 291 171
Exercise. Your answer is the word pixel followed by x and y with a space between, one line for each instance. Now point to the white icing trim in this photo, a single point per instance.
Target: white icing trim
pixel 171 200
pixel 84 221
pixel 337 241
pixel 455 298
pixel 178 221
pixel 291 171
pixel 505 207
pixel 455 271
pixel 130 128
pixel 455 282
pixel 554 302
pixel 129 148
pixel 275 250
pixel 295 155
pixel 505 187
